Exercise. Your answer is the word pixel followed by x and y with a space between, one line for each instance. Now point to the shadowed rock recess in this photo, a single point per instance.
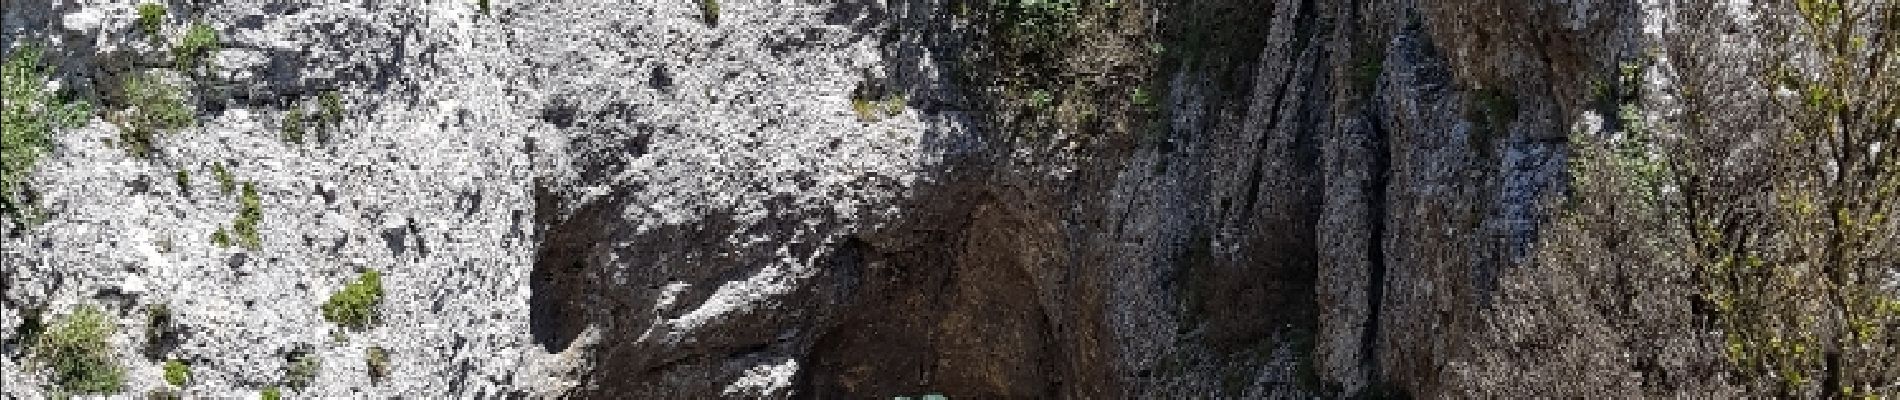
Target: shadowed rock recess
pixel 900 198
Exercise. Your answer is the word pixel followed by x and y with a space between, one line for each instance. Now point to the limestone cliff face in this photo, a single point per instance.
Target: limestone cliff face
pixel 621 200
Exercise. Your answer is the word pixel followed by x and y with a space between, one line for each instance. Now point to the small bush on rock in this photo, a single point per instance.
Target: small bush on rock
pixel 709 11
pixel 184 181
pixel 303 368
pixel 225 180
pixel 270 393
pixel 332 107
pixel 154 106
pixel 250 211
pixel 151 15
pixel 176 373
pixel 293 125
pixel 221 238
pixel 29 115
pixel 355 305
pixel 199 41
pixel 76 349
pixel 378 362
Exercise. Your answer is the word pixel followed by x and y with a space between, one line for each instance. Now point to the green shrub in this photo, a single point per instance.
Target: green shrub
pixel 709 11
pixel 151 15
pixel 378 360
pixel 184 181
pixel 872 102
pixel 221 238
pixel 162 394
pixel 293 126
pixel 199 41
pixel 76 349
pixel 250 211
pixel 225 180
pixel 270 393
pixel 30 114
pixel 177 373
pixel 303 369
pixel 482 5
pixel 155 106
pixel 332 107
pixel 1039 22
pixel 355 305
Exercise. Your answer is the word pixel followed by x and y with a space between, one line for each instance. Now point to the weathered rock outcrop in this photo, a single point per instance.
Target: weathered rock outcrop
pixel 622 200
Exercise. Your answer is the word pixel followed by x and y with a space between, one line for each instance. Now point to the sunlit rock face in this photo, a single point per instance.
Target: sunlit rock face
pixel 613 199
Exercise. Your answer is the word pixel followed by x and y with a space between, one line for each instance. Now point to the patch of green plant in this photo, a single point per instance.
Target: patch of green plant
pixel 184 181
pixel 30 114
pixel 331 105
pixel 221 238
pixel 77 350
pixel 177 373
pixel 271 392
pixel 1141 98
pixel 709 11
pixel 199 41
pixel 377 360
pixel 151 17
pixel 303 368
pixel 293 125
pixel 162 394
pixel 250 211
pixel 154 106
pixel 225 181
pixel 355 305
pixel 482 6
pixel 873 109
pixel 1039 22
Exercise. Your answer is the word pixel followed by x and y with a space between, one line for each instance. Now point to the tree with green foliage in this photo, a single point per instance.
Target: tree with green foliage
pixel 78 350
pixel 1773 176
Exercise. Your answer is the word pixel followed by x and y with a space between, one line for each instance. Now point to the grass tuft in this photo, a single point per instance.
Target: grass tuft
pixel 154 107
pixel 355 305
pixel 199 41
pixel 78 351
pixel 30 114
pixel 151 17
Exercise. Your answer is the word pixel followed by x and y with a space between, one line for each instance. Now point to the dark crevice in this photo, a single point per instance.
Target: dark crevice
pixel 1375 248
